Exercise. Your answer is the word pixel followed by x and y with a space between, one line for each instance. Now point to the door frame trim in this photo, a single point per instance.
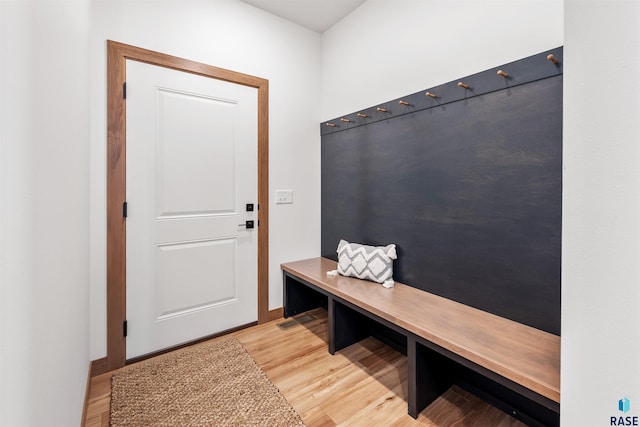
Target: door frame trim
pixel 117 54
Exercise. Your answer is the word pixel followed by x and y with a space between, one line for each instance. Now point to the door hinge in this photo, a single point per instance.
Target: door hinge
pixel 124 328
pixel 124 90
pixel 124 210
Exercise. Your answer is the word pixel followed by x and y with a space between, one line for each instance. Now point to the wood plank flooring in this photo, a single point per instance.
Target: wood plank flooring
pixel 362 385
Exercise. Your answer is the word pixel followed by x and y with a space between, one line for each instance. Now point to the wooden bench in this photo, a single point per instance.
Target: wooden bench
pixel 513 366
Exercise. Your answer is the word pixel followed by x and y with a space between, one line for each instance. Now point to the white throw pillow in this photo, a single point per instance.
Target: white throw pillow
pixel 373 263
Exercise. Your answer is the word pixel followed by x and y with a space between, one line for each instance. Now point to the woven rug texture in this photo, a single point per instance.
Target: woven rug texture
pixel 211 384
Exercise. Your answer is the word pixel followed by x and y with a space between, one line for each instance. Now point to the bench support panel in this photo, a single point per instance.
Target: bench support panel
pixel 300 296
pixel 429 376
pixel 346 326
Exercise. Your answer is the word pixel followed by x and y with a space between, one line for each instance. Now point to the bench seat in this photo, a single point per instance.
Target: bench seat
pixel 522 355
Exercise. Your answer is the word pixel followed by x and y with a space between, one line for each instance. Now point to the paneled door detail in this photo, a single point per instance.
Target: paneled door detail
pixel 191 188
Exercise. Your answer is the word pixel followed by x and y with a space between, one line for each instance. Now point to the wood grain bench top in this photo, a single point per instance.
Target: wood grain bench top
pixel 525 355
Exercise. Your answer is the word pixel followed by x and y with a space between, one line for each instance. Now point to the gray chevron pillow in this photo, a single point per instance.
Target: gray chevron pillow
pixel 373 263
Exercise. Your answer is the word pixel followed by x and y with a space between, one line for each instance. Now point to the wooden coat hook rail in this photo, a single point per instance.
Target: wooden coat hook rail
pixel 516 73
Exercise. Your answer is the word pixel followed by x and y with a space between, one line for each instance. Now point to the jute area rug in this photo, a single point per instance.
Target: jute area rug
pixel 214 384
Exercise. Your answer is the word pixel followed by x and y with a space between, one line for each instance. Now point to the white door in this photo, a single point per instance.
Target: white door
pixel 191 161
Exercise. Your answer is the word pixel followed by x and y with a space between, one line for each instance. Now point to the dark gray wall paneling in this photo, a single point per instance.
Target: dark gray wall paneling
pixel 469 189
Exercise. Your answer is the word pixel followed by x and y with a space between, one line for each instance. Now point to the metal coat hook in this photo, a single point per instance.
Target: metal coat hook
pixel 432 95
pixel 502 73
pixel 345 120
pixel 404 103
pixel 552 58
pixel 463 85
pixel 382 110
pixel 332 125
pixel 364 116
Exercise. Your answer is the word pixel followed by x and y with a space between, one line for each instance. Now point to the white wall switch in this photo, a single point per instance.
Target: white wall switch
pixel 284 197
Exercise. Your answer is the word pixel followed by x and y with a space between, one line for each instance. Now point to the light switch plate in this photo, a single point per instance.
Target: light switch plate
pixel 284 197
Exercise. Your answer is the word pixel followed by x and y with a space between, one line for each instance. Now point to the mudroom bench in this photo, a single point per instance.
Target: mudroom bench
pixel 512 366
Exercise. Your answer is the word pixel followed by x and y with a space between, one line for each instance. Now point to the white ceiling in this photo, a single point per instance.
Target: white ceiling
pixel 317 15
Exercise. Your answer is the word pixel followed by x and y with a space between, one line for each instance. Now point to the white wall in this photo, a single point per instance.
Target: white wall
pixel 233 35
pixel 44 212
pixel 386 49
pixel 601 224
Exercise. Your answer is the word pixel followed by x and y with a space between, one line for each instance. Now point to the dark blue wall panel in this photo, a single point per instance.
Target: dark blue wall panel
pixel 469 190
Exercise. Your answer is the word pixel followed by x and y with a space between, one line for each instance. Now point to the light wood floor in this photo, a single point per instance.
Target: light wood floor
pixel 362 385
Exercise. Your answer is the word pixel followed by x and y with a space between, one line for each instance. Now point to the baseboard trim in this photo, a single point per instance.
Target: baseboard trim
pixel 99 367
pixel 275 314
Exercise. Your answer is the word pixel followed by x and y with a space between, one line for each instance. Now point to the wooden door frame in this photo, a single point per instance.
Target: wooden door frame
pixel 117 54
